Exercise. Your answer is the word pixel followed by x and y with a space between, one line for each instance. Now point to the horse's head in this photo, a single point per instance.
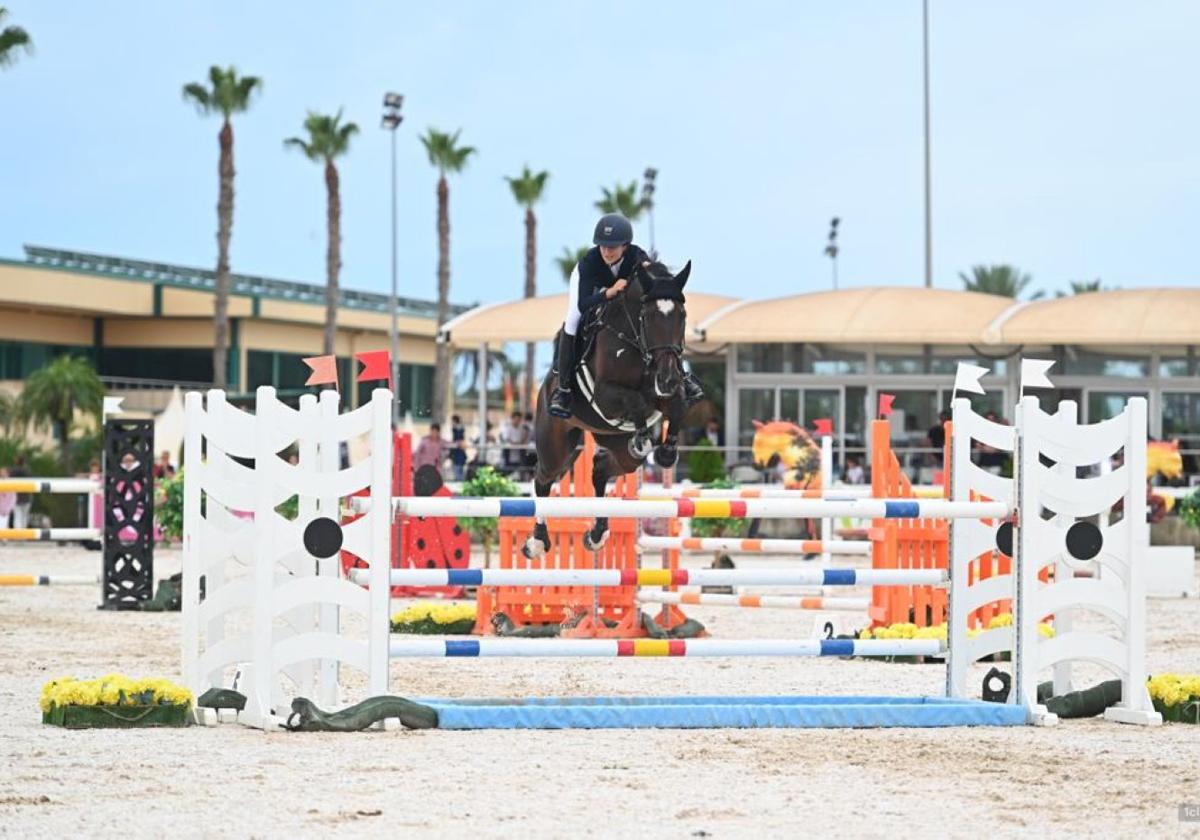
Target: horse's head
pixel 663 320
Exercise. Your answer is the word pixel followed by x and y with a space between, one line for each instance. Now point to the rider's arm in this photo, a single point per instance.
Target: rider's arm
pixel 590 294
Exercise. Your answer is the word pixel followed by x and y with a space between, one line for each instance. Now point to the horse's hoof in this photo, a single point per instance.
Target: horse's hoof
pixel 666 456
pixel 534 548
pixel 640 446
pixel 592 543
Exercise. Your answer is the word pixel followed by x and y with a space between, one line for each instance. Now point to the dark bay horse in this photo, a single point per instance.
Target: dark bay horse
pixel 632 379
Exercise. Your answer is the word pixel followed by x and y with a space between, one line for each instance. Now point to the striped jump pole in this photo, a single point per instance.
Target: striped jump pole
pixel 48 534
pixel 403 648
pixel 755 546
pixel 699 508
pixel 660 577
pixel 788 602
pixel 49 580
pixel 49 485
pixel 657 491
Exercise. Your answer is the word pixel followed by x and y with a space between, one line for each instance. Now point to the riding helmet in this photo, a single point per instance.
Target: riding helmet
pixel 612 230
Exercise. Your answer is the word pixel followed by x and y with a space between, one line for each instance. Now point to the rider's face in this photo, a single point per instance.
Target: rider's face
pixel 612 254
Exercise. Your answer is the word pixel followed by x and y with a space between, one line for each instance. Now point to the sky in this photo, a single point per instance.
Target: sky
pixel 1065 136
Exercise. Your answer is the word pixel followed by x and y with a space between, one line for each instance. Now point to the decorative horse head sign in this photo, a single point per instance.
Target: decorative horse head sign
pixel 631 380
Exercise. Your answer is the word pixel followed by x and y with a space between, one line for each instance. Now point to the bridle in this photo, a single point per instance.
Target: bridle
pixel 636 337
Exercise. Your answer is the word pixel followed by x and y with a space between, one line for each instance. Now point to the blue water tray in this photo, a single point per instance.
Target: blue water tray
pixel 720 712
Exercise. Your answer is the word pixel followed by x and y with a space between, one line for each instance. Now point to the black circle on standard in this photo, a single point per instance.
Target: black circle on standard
pixel 1004 539
pixel 323 537
pixel 427 480
pixel 458 530
pixel 458 554
pixel 1084 540
pixel 420 544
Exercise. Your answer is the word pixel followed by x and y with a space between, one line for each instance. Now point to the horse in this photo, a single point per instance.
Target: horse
pixel 632 378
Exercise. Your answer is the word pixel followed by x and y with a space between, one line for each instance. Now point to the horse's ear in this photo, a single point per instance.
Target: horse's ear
pixel 682 277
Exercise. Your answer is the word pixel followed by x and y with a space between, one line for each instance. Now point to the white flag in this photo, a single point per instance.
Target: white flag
pixel 967 377
pixel 1033 373
pixel 112 405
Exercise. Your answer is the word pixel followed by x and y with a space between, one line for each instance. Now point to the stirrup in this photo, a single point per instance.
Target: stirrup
pixel 692 391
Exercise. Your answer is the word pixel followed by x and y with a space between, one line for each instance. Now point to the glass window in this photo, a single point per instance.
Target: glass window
pixel 1183 365
pixel 1181 417
pixel 789 405
pixel 820 403
pixel 799 358
pixel 1090 363
pixel 913 412
pixel 753 404
pixel 1103 405
pixel 949 365
pixel 895 364
pixel 163 363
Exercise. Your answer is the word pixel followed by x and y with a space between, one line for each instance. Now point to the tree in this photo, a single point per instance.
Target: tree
pixel 447 157
pixel 1003 280
pixel 527 189
pixel 54 393
pixel 328 140
pixel 227 94
pixel 567 261
pixel 1082 287
pixel 12 38
pixel 625 200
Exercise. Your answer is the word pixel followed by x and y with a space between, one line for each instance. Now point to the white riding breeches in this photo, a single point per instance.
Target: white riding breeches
pixel 571 323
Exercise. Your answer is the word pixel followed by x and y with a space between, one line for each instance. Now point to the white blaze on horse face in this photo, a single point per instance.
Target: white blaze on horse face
pixel 666 307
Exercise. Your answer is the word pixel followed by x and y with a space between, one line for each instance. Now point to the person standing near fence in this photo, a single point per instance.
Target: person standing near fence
pixel 20 511
pixel 431 451
pixel 458 447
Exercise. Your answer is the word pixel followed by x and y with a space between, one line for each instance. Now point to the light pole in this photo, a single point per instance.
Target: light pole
pixel 831 247
pixel 648 178
pixel 928 211
pixel 391 121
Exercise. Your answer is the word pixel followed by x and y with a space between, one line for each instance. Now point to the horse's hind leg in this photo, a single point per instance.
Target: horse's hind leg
pixel 556 454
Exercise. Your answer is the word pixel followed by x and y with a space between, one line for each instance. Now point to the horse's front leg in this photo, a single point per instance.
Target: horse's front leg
pixel 538 542
pixel 667 452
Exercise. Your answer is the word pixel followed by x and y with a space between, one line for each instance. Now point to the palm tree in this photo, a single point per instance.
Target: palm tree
pixel 227 94
pixel 1082 287
pixel 12 37
pixel 567 261
pixel 527 190
pixel 446 156
pixel 624 200
pixel 1003 280
pixel 53 394
pixel 328 140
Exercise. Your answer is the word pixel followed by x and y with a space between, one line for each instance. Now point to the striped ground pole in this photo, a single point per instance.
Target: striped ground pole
pixel 789 602
pixel 48 534
pixel 406 647
pixel 699 508
pixel 49 485
pixel 661 577
pixel 48 580
pixel 657 491
pixel 755 546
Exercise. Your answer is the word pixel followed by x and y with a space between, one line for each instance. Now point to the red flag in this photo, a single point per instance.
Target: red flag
pixel 823 426
pixel 376 365
pixel 885 404
pixel 324 370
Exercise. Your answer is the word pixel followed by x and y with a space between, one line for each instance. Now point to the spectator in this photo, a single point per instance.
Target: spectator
pixel 431 450
pixel 7 501
pixel 458 447
pixel 512 437
pixel 854 471
pixel 163 468
pixel 20 511
pixel 712 432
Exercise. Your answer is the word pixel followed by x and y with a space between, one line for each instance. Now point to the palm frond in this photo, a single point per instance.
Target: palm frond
pixel 443 150
pixel 197 94
pixel 327 138
pixel 297 143
pixel 527 187
pixel 226 94
pixel 11 39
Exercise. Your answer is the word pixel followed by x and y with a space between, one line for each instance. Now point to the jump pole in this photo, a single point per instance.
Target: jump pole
pixel 790 602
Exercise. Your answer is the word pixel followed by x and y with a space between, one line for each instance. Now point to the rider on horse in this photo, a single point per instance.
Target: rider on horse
pixel 601 275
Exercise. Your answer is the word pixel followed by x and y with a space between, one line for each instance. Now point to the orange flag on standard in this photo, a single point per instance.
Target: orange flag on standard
pixel 324 370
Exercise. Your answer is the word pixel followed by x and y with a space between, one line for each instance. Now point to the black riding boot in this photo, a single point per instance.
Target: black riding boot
pixel 560 401
pixel 692 392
